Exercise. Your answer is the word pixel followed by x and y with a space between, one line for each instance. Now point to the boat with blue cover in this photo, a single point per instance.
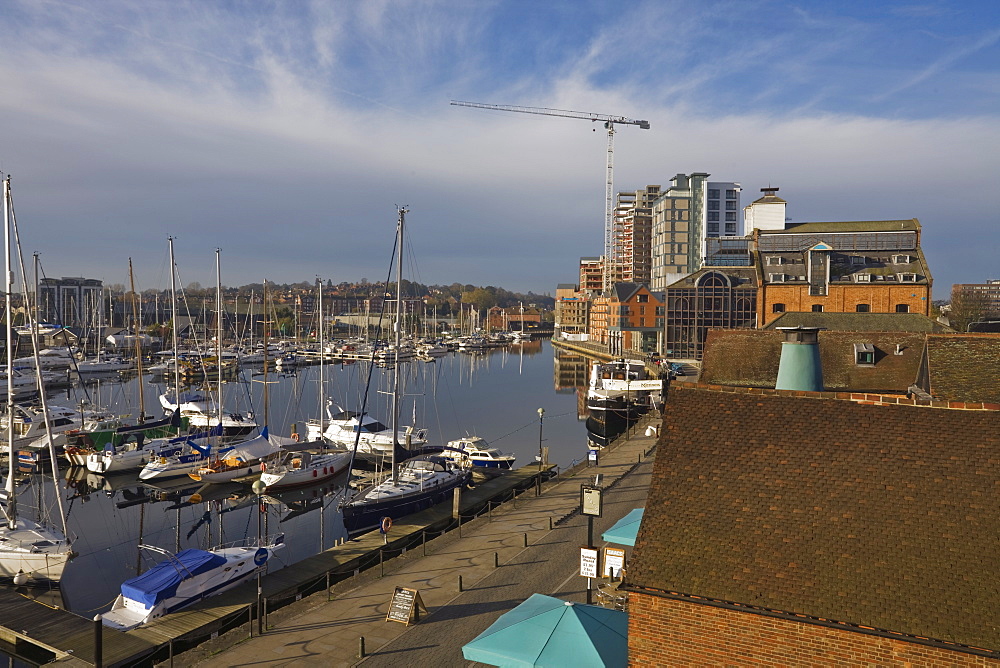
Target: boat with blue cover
pixel 185 578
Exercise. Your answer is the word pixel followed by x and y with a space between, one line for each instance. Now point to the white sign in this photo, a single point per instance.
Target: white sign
pixel 588 562
pixel 614 562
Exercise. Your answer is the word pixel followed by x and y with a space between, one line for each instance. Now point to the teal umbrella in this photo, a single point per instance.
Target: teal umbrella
pixel 547 631
pixel 625 529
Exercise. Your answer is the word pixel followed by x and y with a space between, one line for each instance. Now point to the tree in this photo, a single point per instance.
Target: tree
pixel 967 307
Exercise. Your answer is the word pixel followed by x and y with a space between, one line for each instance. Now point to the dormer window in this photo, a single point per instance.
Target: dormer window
pixel 776 278
pixel 773 260
pixel 864 354
pixel 857 259
pixel 863 278
pixel 907 278
pixel 901 259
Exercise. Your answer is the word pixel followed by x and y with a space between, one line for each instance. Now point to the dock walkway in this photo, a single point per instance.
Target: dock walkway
pixel 525 546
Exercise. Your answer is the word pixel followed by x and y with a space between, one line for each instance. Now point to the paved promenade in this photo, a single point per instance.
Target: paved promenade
pixel 321 632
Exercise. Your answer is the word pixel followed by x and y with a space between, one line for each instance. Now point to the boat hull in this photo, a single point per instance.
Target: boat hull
pixel 360 517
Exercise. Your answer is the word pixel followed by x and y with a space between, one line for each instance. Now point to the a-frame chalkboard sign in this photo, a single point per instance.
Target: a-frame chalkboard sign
pixel 405 606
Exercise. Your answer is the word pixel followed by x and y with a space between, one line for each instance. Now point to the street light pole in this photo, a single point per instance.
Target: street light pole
pixel 258 488
pixel 538 483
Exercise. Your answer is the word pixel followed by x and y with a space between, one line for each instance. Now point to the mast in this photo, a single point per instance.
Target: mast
pixel 10 509
pixel 322 355
pixel 266 407
pixel 138 342
pixel 173 318
pixel 218 325
pixel 397 339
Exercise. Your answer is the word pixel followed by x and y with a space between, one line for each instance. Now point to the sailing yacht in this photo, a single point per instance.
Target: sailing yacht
pixel 29 550
pixel 422 481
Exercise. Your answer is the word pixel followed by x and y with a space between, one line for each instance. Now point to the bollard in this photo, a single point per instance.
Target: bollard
pixel 423 541
pixel 361 647
pixel 460 583
pixel 526 540
pixel 550 522
pixel 98 642
pixel 496 560
pixel 381 564
pixel 328 585
pixel 489 510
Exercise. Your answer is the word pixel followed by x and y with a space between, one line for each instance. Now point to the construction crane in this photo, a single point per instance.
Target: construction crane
pixel 609 193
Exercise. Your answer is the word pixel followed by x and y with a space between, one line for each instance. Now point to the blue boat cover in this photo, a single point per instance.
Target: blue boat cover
pixel 160 582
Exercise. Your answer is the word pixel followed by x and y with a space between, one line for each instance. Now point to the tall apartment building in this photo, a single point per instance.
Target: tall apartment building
pixel 687 214
pixel 592 274
pixel 633 235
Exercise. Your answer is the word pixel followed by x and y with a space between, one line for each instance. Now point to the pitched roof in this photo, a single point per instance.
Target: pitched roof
pixel 851 226
pixel 872 515
pixel 964 367
pixel 749 358
pixel 860 322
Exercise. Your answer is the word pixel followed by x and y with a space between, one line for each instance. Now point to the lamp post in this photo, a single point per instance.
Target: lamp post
pixel 258 488
pixel 541 418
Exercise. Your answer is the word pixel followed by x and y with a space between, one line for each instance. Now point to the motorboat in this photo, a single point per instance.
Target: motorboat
pixel 342 428
pixel 474 451
pixel 202 413
pixel 185 578
pixel 304 468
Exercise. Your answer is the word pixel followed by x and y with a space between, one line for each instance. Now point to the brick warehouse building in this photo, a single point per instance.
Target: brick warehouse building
pixel 818 528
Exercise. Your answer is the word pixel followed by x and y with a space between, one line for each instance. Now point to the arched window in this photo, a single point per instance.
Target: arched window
pixel 902 308
pixel 714 279
pixel 777 308
pixel 863 308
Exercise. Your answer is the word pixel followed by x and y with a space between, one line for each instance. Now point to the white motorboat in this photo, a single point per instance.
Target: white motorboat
pixel 342 428
pixel 185 578
pixel 304 468
pixel 197 454
pixel 51 359
pixel 474 451
pixel 105 365
pixel 202 413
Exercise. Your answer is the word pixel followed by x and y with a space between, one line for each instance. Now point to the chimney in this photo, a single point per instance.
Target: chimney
pixel 800 368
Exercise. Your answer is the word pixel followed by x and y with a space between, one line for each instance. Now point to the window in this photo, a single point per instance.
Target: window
pixel 907 278
pixel 863 308
pixel 864 354
pixel 776 278
pixel 817 308
pixel 730 206
pixel 642 310
pixel 713 228
pixel 730 227
pixel 713 194
pixel 642 299
pixel 902 308
pixel 857 259
pixel 901 259
pixel 774 260
pixel 731 216
pixel 730 194
pixel 713 215
pixel 863 278
pixel 713 205
pixel 778 308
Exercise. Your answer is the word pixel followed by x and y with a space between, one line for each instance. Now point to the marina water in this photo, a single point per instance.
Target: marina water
pixel 495 395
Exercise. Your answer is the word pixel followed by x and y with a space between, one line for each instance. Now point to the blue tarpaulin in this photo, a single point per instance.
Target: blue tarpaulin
pixel 160 582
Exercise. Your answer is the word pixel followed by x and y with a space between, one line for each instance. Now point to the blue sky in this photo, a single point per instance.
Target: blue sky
pixel 287 132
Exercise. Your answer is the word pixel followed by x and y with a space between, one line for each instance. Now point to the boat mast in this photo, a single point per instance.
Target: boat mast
pixel 138 341
pixel 10 509
pixel 322 355
pixel 173 317
pixel 397 326
pixel 218 325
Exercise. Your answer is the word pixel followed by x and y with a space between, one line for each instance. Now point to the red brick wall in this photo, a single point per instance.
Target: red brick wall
pixel 668 632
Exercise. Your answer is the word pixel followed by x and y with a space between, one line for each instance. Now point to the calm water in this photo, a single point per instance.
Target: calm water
pixel 494 395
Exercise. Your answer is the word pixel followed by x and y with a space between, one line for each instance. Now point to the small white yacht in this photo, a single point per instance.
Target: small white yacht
pixel 304 468
pixel 474 451
pixel 343 426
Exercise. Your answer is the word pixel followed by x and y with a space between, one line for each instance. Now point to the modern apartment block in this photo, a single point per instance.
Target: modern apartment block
pixel 592 274
pixel 572 309
pixel 71 302
pixel 981 299
pixel 633 235
pixel 689 213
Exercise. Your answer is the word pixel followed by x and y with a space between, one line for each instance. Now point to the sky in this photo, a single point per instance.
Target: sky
pixel 288 133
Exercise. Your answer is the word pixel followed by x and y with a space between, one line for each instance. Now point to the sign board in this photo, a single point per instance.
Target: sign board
pixel 588 562
pixel 614 562
pixel 592 456
pixel 405 606
pixel 591 501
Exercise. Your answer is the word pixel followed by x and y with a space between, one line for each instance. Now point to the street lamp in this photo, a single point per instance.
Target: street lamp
pixel 541 418
pixel 258 488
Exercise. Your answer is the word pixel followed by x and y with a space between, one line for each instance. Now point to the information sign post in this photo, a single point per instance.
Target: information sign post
pixel 591 505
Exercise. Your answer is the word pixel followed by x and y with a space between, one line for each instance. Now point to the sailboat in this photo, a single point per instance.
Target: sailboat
pixel 420 482
pixel 29 550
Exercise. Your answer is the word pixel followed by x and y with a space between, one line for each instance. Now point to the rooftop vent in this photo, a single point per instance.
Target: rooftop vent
pixel 799 367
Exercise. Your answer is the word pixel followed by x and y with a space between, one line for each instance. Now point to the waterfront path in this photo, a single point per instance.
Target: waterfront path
pixel 321 632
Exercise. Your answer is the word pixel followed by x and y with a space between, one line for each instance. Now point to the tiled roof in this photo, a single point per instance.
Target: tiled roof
pixel 882 516
pixel 749 358
pixel 744 277
pixel 964 367
pixel 860 322
pixel 851 226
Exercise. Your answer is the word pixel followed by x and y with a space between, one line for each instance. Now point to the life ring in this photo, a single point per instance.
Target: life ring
pixel 295 436
pixel 386 524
